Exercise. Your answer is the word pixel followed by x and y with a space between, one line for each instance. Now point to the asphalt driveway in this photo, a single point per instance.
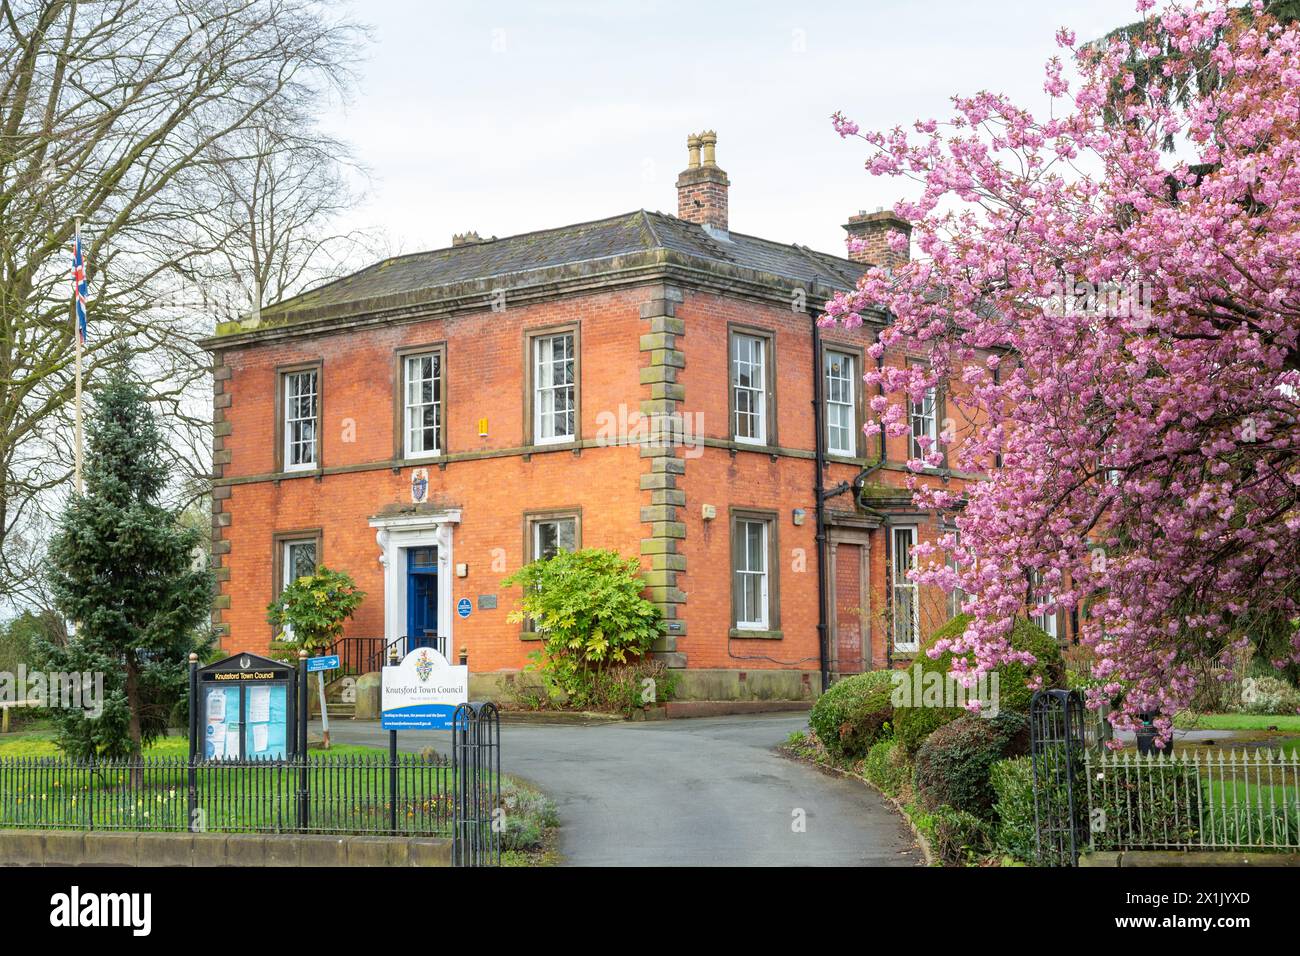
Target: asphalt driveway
pixel 708 791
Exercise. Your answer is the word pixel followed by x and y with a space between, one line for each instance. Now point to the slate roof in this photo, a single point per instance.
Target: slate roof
pixel 633 232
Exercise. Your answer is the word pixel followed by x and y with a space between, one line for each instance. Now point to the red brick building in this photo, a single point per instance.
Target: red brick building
pixel 434 421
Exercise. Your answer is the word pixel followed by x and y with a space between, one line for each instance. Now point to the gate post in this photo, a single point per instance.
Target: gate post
pixel 476 760
pixel 303 779
pixel 192 803
pixel 1057 747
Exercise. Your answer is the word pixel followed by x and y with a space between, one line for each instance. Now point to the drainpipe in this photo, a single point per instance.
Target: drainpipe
pixel 819 494
pixel 884 524
pixel 824 494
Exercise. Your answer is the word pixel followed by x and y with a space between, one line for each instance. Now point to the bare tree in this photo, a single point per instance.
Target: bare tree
pixel 141 117
pixel 275 197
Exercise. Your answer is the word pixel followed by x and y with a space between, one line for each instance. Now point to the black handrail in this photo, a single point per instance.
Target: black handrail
pixel 396 649
pixel 364 655
pixel 357 656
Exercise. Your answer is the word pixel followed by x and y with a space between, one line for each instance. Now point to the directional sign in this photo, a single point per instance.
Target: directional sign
pixel 463 607
pixel 330 662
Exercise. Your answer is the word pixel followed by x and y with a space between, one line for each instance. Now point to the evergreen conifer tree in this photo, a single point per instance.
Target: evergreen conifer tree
pixel 123 567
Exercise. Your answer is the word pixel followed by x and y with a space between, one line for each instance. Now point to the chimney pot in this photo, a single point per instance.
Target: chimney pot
pixel 466 239
pixel 693 151
pixel 710 140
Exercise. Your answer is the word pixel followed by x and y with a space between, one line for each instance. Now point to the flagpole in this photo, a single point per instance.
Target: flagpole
pixel 76 334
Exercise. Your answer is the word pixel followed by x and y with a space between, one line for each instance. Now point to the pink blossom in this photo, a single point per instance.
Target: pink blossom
pixel 1125 329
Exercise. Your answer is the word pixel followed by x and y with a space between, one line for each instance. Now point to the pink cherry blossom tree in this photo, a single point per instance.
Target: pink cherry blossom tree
pixel 1119 323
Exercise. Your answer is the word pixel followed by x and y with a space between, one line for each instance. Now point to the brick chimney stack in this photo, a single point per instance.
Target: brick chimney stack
pixel 702 185
pixel 874 230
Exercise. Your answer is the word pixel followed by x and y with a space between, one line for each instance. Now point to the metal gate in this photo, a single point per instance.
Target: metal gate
pixel 1058 746
pixel 476 756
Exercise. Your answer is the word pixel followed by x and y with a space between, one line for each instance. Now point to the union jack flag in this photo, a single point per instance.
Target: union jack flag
pixel 80 287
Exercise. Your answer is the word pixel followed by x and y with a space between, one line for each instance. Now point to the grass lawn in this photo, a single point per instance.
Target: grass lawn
pixel 40 744
pixel 352 798
pixel 349 791
pixel 1283 722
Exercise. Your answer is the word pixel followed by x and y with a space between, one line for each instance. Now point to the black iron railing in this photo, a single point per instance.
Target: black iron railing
pixel 1058 732
pixel 476 743
pixel 357 656
pixel 399 647
pixel 364 655
pixel 342 794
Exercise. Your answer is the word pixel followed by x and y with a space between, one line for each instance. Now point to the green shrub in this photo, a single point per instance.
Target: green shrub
pixel 588 610
pixel 853 714
pixel 627 688
pixel 1014 829
pixel 887 766
pixel 1151 802
pixel 315 607
pixel 1268 695
pixel 527 815
pixel 1269 823
pixel 956 837
pixel 913 724
pixel 953 765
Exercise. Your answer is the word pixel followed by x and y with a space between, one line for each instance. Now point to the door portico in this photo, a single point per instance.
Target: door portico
pixel 396 535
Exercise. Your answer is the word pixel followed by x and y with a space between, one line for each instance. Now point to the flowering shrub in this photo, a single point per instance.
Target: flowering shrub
pixel 1119 324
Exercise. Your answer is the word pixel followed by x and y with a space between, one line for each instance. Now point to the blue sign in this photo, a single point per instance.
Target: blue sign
pixel 463 607
pixel 420 717
pixel 328 663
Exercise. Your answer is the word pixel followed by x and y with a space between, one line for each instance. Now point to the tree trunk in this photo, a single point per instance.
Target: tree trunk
pixel 133 727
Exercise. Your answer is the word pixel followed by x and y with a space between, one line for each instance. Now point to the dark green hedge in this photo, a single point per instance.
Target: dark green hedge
pixel 954 763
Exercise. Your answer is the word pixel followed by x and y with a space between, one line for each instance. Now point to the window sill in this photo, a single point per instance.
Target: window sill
pixel 840 458
pixel 744 633
pixel 529 636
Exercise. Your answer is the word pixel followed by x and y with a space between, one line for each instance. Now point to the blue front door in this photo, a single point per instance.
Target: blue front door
pixel 421 597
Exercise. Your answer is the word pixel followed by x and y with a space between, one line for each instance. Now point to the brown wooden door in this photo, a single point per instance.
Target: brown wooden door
pixel 849 612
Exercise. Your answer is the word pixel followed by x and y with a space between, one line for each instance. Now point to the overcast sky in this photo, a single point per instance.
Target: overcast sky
pixel 509 117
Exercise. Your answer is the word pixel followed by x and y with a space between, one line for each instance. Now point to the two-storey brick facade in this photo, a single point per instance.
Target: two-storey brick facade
pixel 432 422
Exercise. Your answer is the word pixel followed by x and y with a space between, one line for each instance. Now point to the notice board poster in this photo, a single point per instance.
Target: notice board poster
pixel 266 721
pixel 221 723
